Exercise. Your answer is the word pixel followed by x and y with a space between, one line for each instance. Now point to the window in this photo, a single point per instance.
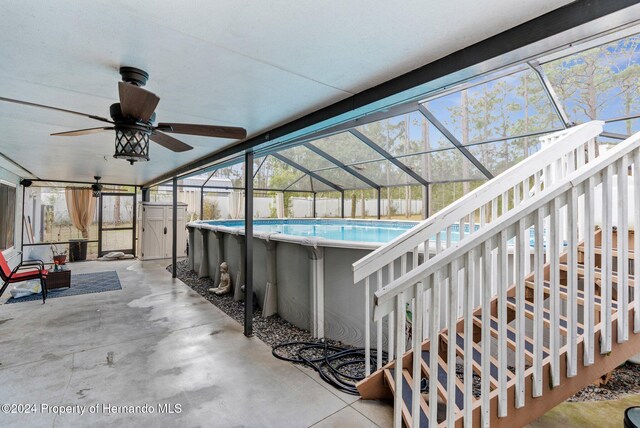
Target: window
pixel 507 107
pixel 7 215
pixel 599 83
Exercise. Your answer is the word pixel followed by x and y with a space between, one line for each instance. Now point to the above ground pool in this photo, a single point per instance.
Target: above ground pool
pixel 301 267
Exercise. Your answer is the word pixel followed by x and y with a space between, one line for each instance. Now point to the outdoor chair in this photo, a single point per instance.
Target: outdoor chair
pixel 24 271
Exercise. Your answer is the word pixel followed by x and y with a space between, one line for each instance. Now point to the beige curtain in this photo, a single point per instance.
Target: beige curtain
pixel 81 206
pixel 236 204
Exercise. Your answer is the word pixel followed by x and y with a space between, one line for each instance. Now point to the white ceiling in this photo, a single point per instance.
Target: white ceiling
pixel 256 64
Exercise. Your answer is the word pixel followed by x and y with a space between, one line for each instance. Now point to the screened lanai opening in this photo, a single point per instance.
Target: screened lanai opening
pixel 59 218
pixel 410 165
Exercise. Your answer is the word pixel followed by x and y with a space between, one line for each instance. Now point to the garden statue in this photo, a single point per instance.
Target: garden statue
pixel 225 281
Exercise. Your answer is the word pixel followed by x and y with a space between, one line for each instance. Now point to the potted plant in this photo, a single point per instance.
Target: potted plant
pixel 59 257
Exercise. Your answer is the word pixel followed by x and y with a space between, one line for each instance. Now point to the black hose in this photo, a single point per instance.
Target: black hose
pixel 331 365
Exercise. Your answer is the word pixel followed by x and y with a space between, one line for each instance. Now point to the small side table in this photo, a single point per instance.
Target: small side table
pixel 59 279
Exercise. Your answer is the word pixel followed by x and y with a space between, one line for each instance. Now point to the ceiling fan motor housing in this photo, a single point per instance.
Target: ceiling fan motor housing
pixel 115 111
pixel 133 75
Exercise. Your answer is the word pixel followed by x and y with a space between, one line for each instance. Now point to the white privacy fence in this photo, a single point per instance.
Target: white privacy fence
pixel 228 207
pixel 399 207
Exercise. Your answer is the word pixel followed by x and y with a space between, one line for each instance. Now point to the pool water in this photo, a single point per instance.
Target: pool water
pixel 345 230
pixel 339 230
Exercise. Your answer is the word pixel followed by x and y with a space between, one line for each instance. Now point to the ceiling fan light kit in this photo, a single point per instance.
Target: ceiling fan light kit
pixel 132 137
pixel 132 143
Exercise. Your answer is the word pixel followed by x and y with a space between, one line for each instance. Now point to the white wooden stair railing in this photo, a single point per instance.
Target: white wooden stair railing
pixel 484 205
pixel 579 300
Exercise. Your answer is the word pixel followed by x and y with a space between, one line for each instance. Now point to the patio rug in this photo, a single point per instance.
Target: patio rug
pixel 83 283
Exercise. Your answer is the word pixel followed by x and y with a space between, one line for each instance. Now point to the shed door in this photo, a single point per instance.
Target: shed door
pixel 181 246
pixel 154 232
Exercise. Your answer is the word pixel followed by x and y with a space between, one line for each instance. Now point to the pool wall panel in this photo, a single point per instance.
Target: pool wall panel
pixel 343 301
pixel 259 269
pixel 233 261
pixel 233 255
pixel 197 250
pixel 293 273
pixel 190 247
pixel 213 257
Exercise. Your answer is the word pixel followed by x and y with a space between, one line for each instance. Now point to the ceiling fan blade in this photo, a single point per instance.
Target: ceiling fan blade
pixel 204 130
pixel 83 131
pixel 136 102
pixel 26 103
pixel 169 142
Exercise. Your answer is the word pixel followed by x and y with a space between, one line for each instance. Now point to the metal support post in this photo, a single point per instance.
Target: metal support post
pixel 248 248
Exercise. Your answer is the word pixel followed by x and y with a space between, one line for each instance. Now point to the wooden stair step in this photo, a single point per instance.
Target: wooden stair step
pixel 598 250
pixel 442 377
pixel 597 273
pixel 476 361
pixel 442 371
pixel 407 397
pixel 529 310
pixel 511 336
pixel 564 294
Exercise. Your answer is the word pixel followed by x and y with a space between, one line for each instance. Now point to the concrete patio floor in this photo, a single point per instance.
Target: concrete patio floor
pixel 156 342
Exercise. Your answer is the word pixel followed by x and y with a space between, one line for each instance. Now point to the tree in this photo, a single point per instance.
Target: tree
pixel 464 123
pixel 116 210
pixel 353 205
pixel 426 167
pixel 598 82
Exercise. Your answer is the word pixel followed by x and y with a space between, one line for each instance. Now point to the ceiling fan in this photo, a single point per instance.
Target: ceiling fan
pixel 133 121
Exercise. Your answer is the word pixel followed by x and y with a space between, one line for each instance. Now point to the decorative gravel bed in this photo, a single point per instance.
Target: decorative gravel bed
pixel 274 331
pixel 624 380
